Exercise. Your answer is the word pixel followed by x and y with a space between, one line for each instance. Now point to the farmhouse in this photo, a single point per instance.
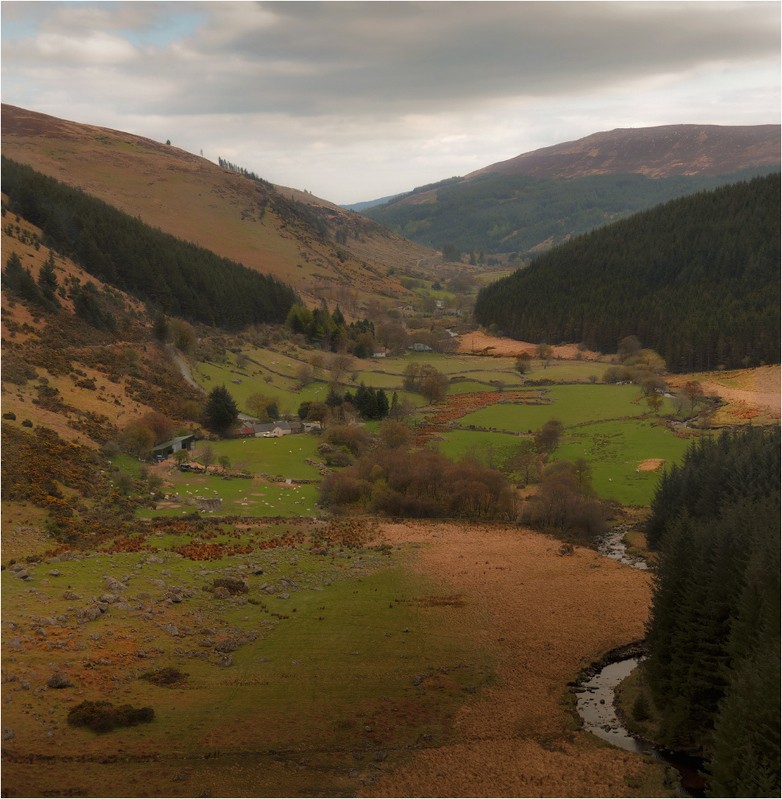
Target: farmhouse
pixel 174 445
pixel 277 429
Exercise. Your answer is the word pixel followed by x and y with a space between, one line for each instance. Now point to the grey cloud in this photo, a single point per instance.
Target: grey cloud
pixel 397 56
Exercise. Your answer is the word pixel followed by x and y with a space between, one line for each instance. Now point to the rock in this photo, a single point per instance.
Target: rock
pixel 89 613
pixel 59 680
pixel 221 592
pixel 171 629
pixel 54 573
pixel 23 574
pixel 8 734
pixel 113 584
pixel 108 599
pixel 72 595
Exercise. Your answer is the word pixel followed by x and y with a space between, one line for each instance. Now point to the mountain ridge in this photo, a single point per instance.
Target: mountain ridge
pixel 659 151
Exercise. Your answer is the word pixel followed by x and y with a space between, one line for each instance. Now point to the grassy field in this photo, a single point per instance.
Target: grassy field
pixel 571 404
pixel 292 688
pixel 616 449
pixel 490 449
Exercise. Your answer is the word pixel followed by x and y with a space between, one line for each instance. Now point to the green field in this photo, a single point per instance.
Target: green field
pixel 571 404
pixel 490 449
pixel 284 457
pixel 615 449
pixel 326 654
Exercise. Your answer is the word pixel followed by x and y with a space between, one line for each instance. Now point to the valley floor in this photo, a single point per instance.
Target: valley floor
pixel 470 635
pixel 542 616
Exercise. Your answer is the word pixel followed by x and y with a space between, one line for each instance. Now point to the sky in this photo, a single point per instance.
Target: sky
pixel 359 100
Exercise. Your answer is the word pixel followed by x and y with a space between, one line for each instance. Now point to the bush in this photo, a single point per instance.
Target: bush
pixel 166 676
pixel 104 716
pixel 231 584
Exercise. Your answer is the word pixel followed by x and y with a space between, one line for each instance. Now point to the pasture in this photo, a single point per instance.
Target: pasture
pixel 292 685
pixel 616 449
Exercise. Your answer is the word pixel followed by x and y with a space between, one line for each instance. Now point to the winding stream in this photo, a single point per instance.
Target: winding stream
pixel 595 694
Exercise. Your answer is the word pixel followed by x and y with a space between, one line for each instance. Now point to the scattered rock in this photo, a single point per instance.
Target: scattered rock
pixel 54 573
pixel 8 734
pixel 59 680
pixel 72 595
pixel 113 584
pixel 90 613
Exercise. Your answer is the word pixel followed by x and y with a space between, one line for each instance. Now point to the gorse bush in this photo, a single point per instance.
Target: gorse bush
pixel 103 716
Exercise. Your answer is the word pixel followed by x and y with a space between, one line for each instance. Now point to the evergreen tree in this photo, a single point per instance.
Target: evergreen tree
pixel 221 412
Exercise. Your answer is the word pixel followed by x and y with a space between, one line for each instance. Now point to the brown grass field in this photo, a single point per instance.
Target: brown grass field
pixel 543 617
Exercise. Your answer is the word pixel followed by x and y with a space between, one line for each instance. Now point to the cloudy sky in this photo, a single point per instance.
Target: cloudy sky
pixel 354 101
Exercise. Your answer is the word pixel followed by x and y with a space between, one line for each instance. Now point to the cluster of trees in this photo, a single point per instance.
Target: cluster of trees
pixel 498 213
pixel 330 330
pixel 714 632
pixel 371 403
pixel 395 480
pixel 697 279
pixel 42 292
pixel 188 281
pixel 426 380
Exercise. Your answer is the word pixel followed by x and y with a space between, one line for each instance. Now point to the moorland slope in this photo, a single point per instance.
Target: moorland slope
pixel 319 248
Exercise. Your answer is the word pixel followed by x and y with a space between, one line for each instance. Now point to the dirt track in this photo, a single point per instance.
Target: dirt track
pixel 542 616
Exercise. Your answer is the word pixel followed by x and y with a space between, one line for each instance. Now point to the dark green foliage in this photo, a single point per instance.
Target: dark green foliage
pixel 221 411
pixel 104 716
pixel 47 282
pixel 715 473
pixel 697 280
pixel 371 403
pixel 714 629
pixel 497 213
pixel 190 282
pixel 90 307
pixel 18 279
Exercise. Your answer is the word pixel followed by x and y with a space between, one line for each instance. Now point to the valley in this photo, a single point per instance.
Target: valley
pixel 373 567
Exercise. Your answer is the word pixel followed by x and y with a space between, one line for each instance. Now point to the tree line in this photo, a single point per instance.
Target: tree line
pixel 186 280
pixel 714 632
pixel 696 279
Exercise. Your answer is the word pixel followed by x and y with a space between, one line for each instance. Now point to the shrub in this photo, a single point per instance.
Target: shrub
pixel 166 676
pixel 103 716
pixel 231 584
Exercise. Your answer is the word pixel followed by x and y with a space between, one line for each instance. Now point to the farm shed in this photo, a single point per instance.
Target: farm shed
pixel 174 445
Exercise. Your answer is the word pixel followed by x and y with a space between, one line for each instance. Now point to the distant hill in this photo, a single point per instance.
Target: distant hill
pixel 697 279
pixel 369 203
pixel 322 250
pixel 539 199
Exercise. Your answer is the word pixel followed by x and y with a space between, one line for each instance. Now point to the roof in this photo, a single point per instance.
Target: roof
pixel 173 441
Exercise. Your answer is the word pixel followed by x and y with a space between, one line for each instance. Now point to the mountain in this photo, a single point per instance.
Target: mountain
pixel 659 152
pixel 696 279
pixel 542 198
pixel 322 250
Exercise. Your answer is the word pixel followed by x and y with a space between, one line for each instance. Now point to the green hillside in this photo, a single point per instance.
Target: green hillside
pixel 696 279
pixel 496 213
